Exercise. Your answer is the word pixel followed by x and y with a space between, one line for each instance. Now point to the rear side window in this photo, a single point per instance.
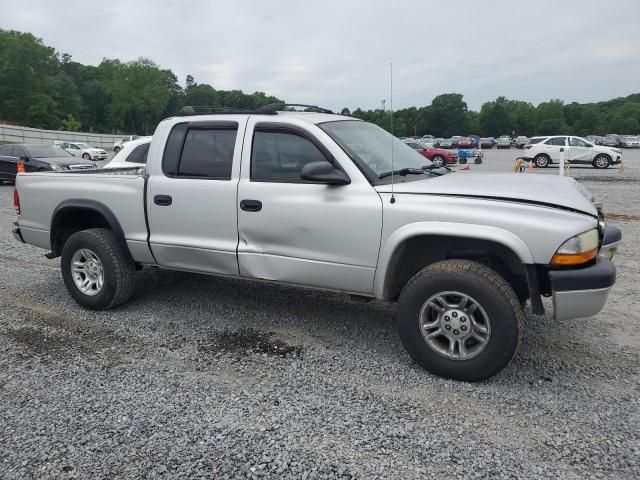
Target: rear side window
pixel 279 156
pixel 7 151
pixel 200 151
pixel 557 141
pixel 533 141
pixel 139 154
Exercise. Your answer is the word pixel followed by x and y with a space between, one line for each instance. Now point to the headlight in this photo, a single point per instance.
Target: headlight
pixel 56 167
pixel 577 250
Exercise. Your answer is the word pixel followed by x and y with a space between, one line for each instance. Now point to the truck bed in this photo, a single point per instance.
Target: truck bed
pixel 119 191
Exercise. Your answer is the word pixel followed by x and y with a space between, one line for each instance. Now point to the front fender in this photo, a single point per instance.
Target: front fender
pixel 466 230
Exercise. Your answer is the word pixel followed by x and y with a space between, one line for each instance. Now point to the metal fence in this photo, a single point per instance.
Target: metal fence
pixel 16 134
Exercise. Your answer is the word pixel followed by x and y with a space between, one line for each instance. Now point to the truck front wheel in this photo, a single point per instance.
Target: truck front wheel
pixel 459 319
pixel 96 269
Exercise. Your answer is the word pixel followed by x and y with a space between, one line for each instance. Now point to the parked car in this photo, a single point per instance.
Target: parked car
pixel 451 249
pixel 83 150
pixel 438 156
pixel 487 142
pixel 465 142
pixel 475 141
pixel 446 143
pixel 629 141
pixel 437 142
pixel 611 140
pixel 37 158
pixel 521 141
pixel 545 151
pixel 454 141
pixel 133 154
pixel 117 146
pixel 504 142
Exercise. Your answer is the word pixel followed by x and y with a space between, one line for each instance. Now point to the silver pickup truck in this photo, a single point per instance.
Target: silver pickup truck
pixel 330 202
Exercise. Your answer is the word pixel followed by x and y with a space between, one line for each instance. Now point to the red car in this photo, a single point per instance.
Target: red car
pixel 465 142
pixel 438 156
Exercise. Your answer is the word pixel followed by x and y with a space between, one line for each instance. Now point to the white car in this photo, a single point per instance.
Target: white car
pixel 428 140
pixel 545 151
pixel 132 154
pixel 117 146
pixel 83 150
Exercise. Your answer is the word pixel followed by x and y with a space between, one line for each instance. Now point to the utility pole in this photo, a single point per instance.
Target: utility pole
pixel 384 104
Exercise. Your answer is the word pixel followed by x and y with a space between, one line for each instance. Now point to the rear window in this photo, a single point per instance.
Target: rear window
pixel 557 141
pixel 139 154
pixel 200 150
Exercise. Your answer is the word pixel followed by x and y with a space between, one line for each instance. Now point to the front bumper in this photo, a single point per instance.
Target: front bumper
pixel 579 293
pixel 15 230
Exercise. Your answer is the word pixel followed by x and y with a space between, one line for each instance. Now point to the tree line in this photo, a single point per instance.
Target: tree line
pixel 42 88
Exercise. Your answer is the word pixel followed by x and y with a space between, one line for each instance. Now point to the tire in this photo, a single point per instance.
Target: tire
pixel 116 149
pixel 496 304
pixel 86 156
pixel 438 160
pixel 542 161
pixel 601 161
pixel 462 160
pixel 477 161
pixel 116 264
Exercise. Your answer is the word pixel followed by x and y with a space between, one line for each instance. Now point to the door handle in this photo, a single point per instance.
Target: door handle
pixel 251 205
pixel 162 200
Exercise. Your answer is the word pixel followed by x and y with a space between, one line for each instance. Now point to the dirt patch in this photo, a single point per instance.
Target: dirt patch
pixel 623 217
pixel 608 179
pixel 246 341
pixel 41 344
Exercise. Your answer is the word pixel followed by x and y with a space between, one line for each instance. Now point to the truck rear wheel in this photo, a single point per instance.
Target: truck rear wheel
pixel 96 269
pixel 459 319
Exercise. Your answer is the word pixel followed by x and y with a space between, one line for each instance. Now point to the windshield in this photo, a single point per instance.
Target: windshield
pixel 370 147
pixel 83 146
pixel 47 151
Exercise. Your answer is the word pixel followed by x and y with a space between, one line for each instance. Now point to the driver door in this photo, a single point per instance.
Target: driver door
pixel 579 151
pixel 298 232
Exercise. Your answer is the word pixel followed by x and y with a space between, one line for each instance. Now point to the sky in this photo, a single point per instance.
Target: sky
pixel 336 53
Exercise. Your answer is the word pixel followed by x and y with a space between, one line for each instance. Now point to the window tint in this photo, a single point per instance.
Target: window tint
pixel 578 142
pixel 7 151
pixel 139 154
pixel 533 141
pixel 19 151
pixel 557 141
pixel 207 153
pixel 280 156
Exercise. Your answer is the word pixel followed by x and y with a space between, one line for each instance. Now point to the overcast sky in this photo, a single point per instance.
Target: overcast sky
pixel 337 53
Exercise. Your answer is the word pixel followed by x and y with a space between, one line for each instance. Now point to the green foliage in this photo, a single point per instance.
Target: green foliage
pixel 70 124
pixel 45 89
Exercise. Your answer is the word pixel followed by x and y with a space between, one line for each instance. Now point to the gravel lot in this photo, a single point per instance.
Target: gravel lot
pixel 199 377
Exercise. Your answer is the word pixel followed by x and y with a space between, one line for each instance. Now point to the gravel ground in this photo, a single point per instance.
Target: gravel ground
pixel 199 377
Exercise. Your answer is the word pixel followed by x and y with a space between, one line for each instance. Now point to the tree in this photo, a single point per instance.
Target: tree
pixel 550 118
pixel 447 115
pixel 70 124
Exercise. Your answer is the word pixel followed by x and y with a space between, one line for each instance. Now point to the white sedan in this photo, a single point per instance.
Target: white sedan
pixel 83 150
pixel 545 151
pixel 132 154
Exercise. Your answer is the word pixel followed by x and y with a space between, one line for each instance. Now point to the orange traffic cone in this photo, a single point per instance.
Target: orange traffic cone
pixel 621 169
pixel 466 167
pixel 530 167
pixel 20 167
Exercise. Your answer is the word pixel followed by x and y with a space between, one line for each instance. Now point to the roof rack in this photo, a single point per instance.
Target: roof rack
pixel 207 110
pixel 271 109
pixel 275 107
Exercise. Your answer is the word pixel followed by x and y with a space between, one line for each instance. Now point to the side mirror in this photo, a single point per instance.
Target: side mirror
pixel 24 158
pixel 324 172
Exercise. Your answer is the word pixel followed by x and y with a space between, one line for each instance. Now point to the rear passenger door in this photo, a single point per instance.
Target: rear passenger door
pixel 552 147
pixel 192 198
pixel 7 163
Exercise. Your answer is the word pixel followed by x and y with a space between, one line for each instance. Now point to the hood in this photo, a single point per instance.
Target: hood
pixel 66 161
pixel 544 190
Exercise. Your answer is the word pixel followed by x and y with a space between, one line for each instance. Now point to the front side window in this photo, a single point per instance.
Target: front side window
pixel 194 151
pixel 280 156
pixel 139 154
pixel 578 142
